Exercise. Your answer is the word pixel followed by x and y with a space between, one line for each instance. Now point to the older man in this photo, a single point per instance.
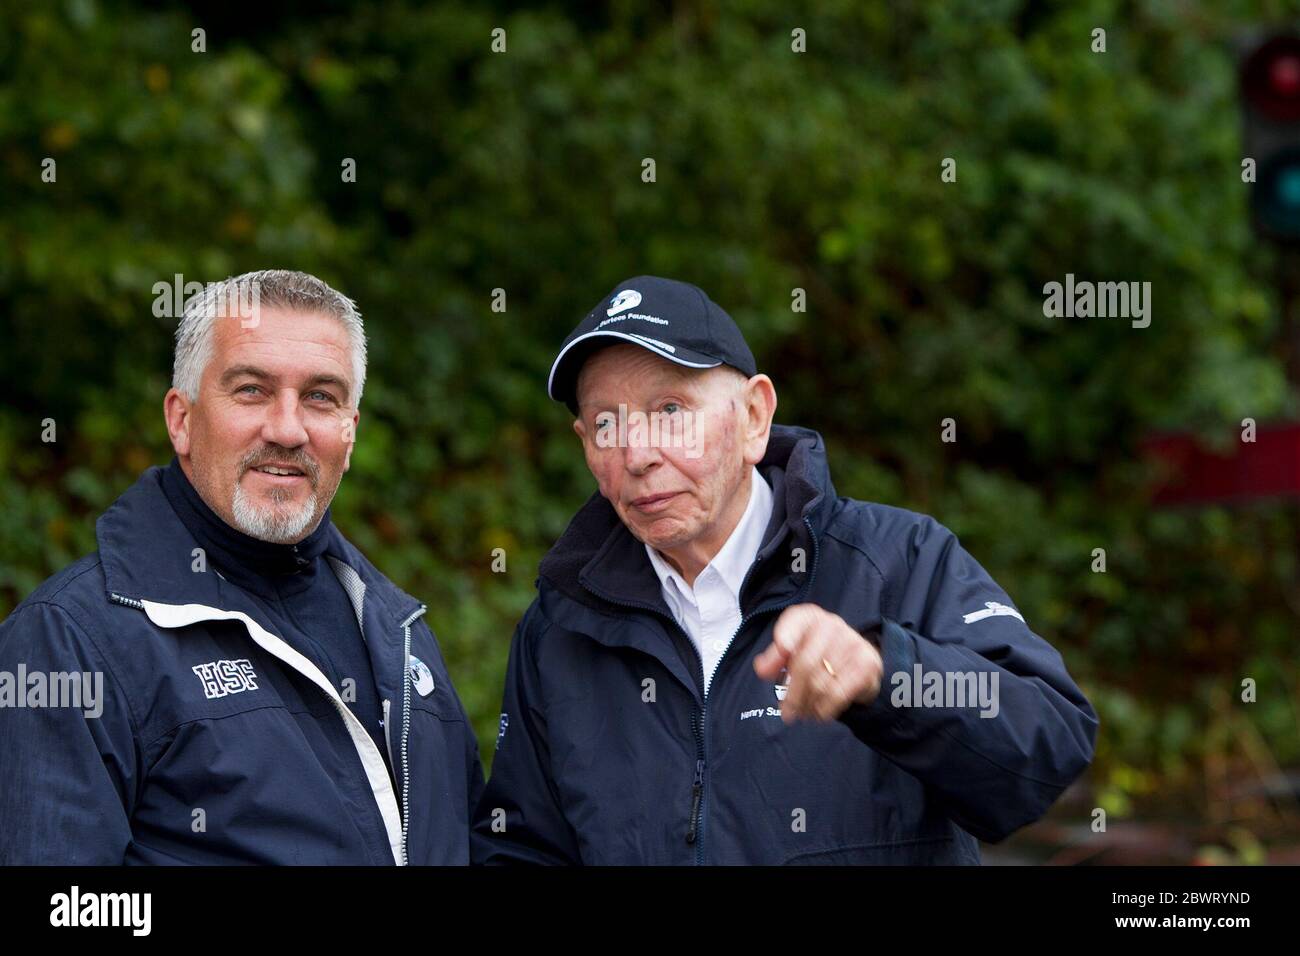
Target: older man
pixel 729 663
pixel 267 695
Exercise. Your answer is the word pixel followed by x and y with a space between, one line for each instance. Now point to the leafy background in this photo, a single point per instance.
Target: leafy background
pixel 775 171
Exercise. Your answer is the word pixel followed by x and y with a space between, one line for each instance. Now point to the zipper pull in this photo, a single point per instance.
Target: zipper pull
pixel 697 788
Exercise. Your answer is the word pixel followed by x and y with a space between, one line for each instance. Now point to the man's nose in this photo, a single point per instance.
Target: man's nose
pixel 640 456
pixel 283 425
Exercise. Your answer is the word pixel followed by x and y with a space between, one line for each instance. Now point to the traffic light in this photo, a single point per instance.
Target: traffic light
pixel 1270 91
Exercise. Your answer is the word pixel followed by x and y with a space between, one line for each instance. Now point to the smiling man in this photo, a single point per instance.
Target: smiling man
pixel 729 663
pixel 270 697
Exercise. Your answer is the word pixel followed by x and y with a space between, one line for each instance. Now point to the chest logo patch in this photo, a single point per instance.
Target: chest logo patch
pixel 222 678
pixel 421 677
pixel 782 685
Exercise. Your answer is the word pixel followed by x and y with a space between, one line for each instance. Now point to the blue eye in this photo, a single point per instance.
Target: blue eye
pixel 671 408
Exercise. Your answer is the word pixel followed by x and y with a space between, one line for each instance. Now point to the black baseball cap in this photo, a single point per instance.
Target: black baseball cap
pixel 675 320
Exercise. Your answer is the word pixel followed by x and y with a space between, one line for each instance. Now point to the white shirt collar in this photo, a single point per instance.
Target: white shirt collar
pixel 733 560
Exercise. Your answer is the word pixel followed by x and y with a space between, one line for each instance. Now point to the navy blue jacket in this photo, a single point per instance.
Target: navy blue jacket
pixel 610 753
pixel 216 741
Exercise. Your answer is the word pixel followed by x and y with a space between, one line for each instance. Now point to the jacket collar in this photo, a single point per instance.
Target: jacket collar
pixel 242 558
pixel 147 553
pixel 600 564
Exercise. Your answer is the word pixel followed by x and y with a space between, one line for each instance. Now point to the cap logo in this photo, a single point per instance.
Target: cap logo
pixel 627 299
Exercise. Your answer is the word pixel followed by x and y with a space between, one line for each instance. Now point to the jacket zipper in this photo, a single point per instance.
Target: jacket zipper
pixel 388 737
pixel 406 726
pixel 697 788
pixel 406 709
pixel 695 830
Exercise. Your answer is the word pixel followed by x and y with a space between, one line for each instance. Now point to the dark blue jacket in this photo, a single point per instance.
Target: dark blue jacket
pixel 610 753
pixel 217 742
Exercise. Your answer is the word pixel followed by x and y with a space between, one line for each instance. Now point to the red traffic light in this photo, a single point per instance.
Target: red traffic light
pixel 1270 78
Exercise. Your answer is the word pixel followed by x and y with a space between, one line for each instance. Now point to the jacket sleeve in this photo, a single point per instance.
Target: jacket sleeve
pixel 69 771
pixel 994 768
pixel 519 818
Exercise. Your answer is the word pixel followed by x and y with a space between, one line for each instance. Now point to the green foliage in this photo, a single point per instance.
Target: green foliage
pixel 775 170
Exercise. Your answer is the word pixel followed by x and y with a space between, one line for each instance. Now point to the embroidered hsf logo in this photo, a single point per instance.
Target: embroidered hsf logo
pixel 220 678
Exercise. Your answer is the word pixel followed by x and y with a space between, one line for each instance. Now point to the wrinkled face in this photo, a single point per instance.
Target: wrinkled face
pixel 271 434
pixel 677 492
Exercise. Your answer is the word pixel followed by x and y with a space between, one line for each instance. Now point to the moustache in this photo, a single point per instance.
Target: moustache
pixel 283 456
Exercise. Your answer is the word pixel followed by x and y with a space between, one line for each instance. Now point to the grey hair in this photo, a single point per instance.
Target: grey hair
pixel 269 288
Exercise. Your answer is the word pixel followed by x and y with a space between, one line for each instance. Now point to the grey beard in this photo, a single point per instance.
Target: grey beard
pixel 271 523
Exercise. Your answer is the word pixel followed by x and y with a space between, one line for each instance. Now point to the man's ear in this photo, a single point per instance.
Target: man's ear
pixel 580 429
pixel 176 412
pixel 758 396
pixel 347 458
